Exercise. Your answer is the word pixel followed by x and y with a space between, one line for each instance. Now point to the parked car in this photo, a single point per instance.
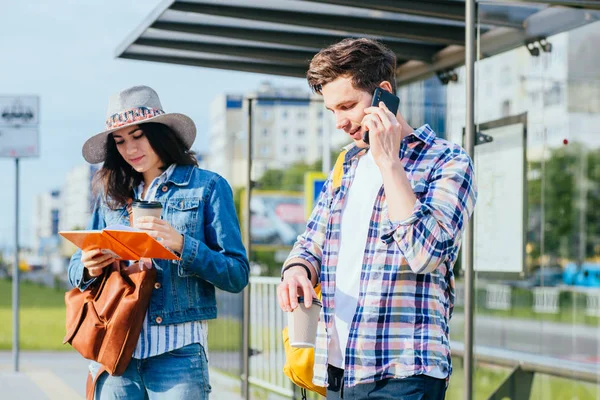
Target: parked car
pixel 546 277
pixel 588 274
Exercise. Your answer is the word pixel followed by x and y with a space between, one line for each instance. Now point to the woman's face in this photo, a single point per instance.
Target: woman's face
pixel 134 147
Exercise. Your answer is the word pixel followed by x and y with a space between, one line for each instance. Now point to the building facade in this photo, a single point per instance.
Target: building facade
pixel 289 125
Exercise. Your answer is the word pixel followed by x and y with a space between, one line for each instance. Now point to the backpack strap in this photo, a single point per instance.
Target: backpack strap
pixel 338 170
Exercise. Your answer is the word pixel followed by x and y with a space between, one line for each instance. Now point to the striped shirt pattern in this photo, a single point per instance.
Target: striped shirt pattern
pixel 155 339
pixel 406 293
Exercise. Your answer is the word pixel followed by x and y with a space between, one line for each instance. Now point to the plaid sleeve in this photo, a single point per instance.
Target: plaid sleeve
pixel 432 234
pixel 309 245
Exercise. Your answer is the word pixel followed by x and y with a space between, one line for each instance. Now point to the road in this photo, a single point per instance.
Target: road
pixel 573 342
pixel 62 375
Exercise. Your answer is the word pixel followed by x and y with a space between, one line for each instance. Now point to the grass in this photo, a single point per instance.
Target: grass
pixel 42 321
pixel 42 317
pixel 224 334
pixel 488 379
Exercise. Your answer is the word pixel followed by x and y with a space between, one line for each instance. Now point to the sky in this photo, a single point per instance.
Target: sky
pixel 63 51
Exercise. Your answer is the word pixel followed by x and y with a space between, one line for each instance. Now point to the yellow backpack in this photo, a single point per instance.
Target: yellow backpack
pixel 299 362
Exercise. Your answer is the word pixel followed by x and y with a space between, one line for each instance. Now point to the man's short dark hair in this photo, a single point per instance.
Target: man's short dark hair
pixel 366 61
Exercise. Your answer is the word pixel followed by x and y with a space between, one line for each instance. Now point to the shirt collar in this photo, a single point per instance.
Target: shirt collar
pixel 156 181
pixel 425 134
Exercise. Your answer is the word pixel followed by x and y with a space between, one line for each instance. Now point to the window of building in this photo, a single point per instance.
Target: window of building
pixel 553 95
pixel 505 108
pixel 265 132
pixel 301 132
pixel 284 114
pixel 505 75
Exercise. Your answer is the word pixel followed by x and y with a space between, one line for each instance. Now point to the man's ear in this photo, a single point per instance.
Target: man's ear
pixel 386 85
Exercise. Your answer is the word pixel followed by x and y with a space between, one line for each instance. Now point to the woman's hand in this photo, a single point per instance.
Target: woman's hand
pixel 162 231
pixel 95 261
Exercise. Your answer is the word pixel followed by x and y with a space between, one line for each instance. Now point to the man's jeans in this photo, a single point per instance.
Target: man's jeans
pixel 180 374
pixel 417 387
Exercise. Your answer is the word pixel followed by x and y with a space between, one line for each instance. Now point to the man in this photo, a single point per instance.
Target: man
pixel 382 245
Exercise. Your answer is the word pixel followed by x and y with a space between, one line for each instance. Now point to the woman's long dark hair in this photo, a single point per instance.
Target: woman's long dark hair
pixel 116 179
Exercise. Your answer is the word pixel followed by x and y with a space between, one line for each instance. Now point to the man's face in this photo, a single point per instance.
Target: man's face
pixel 348 104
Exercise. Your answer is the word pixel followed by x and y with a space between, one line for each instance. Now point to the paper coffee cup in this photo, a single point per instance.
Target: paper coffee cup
pixel 302 324
pixel 146 208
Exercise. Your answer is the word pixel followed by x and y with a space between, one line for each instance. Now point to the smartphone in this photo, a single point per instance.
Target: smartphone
pixel 391 101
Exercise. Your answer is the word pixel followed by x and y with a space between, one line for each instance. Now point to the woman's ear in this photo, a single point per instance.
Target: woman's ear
pixel 386 85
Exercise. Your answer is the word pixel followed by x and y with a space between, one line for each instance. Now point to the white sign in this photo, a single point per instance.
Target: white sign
pixel 499 225
pixel 19 110
pixel 19 117
pixel 19 142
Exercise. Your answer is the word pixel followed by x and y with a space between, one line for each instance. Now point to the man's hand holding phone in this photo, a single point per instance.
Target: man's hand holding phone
pixel 385 133
pixel 391 101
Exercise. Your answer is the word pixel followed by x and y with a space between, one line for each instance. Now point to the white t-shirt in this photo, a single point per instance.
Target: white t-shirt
pixel 354 231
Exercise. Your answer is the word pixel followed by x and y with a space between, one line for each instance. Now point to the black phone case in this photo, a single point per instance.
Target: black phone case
pixel 391 101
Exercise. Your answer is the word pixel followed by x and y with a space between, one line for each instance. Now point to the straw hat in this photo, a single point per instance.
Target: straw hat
pixel 134 106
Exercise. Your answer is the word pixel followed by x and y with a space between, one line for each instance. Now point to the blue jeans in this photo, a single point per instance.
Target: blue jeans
pixel 177 375
pixel 416 387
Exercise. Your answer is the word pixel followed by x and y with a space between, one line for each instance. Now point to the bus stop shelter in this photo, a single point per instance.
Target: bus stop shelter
pixel 429 37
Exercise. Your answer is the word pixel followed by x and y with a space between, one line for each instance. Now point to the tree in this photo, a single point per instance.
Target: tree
pixel 554 199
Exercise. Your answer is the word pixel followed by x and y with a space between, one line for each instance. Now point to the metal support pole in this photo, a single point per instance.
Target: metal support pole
pixel 326 168
pixel 15 277
pixel 247 215
pixel 582 182
pixel 470 18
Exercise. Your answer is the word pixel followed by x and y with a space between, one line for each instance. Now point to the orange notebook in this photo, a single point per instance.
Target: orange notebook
pixel 122 241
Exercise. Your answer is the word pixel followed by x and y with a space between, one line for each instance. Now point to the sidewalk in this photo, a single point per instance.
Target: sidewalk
pixel 62 375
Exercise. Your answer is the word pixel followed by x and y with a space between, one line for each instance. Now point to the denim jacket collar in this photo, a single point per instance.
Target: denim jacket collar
pixel 181 175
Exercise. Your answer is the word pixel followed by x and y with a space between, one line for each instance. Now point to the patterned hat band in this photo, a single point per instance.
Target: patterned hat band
pixel 131 116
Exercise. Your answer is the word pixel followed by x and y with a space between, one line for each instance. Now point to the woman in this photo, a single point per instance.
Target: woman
pixel 146 157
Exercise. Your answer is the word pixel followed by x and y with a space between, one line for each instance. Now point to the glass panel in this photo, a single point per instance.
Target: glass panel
pixel 537 280
pixel 537 284
pixel 424 102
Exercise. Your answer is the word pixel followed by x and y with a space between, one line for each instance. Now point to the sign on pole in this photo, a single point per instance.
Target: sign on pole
pixel 313 183
pixel 19 110
pixel 18 142
pixel 19 118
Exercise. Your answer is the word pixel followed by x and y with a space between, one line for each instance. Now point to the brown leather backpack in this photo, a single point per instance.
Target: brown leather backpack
pixel 104 323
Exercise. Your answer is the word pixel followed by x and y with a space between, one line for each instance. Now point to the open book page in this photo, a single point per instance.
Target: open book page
pixel 119 227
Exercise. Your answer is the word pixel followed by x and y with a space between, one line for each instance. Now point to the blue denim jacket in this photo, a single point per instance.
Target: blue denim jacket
pixel 199 204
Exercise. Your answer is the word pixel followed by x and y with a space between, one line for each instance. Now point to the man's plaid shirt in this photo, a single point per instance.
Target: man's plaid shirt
pixel 406 293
